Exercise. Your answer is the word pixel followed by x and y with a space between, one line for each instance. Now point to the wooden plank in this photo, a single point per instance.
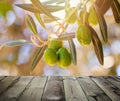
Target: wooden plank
pixel 107 87
pixel 6 83
pixel 2 77
pixel 14 92
pixel 93 92
pixel 35 90
pixel 54 90
pixel 115 81
pixel 73 91
pixel 118 77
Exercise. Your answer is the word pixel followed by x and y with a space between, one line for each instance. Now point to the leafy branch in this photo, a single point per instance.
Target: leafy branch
pixel 84 18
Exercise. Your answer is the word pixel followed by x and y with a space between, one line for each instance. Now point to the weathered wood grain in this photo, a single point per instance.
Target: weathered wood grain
pixel 2 77
pixel 114 81
pixel 54 90
pixel 116 77
pixel 35 89
pixel 107 87
pixel 93 92
pixel 6 83
pixel 14 91
pixel 73 91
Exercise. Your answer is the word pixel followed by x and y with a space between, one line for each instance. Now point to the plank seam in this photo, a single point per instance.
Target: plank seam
pixel 100 88
pixel 44 89
pixel 113 85
pixel 72 97
pixel 27 86
pixel 115 78
pixel 63 89
pixel 3 78
pixel 13 83
pixel 82 88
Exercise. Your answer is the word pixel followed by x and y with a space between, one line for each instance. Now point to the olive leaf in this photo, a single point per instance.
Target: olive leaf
pixel 31 24
pixel 67 5
pixel 60 1
pixel 54 8
pixel 5 6
pixel 73 51
pixel 14 43
pixel 66 36
pixel 46 19
pixel 83 15
pixel 37 57
pixel 102 24
pixel 32 8
pixel 37 15
pixel 118 1
pixel 39 5
pixel 97 45
pixel 54 1
pixel 29 7
pixel 103 5
pixel 116 10
pixel 106 5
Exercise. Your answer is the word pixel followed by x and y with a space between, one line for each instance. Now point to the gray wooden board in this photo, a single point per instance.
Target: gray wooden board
pixel 6 83
pixel 14 92
pixel 54 89
pixel 107 87
pixel 2 77
pixel 35 89
pixel 116 84
pixel 114 81
pixel 93 92
pixel 73 91
pixel 116 77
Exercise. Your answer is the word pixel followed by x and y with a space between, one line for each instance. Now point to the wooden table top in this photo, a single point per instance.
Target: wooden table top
pixel 56 88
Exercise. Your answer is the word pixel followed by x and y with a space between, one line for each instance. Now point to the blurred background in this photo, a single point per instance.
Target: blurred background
pixel 17 60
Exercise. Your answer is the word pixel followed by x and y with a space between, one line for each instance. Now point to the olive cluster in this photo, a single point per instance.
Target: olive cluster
pixel 57 54
pixel 83 33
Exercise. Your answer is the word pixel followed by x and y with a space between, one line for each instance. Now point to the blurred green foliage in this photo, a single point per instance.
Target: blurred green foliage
pixel 5 6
